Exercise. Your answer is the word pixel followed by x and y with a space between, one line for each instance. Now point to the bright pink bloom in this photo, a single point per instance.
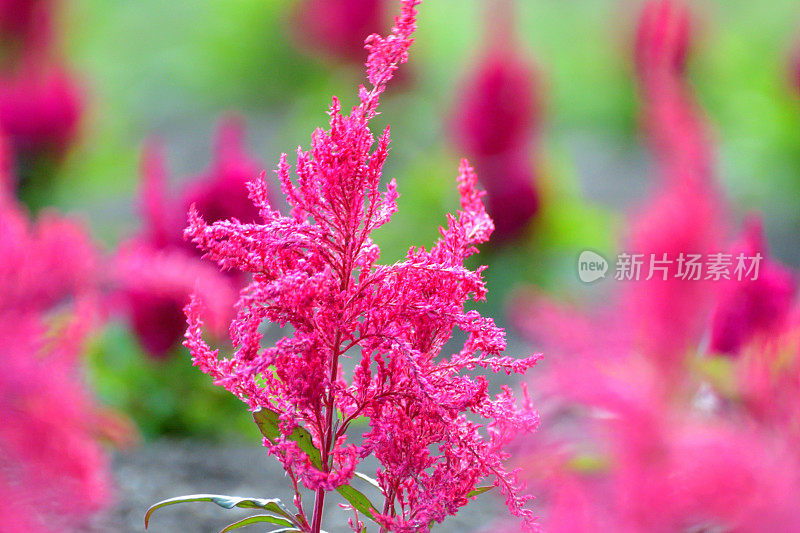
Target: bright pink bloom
pixel 317 271
pixel 339 27
pixel 495 121
pixel 47 448
pixel 749 307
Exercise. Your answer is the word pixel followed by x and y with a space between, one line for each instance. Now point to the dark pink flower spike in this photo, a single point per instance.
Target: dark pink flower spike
pixel 154 286
pixel 25 21
pixel 512 196
pixel 498 108
pixel 750 307
pixel 496 121
pixel 40 109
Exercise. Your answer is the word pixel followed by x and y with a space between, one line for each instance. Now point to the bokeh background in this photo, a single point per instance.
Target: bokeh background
pixel 167 72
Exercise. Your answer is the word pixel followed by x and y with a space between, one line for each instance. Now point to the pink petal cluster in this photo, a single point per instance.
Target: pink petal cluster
pixel 156 271
pixel 434 428
pixel 752 307
pixel 496 121
pixel 51 468
pixel 651 433
pixel 338 27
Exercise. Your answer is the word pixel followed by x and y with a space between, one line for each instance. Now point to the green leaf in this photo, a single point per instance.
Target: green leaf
pixel 477 491
pixel 228 502
pixel 357 500
pixel 257 519
pixel 267 422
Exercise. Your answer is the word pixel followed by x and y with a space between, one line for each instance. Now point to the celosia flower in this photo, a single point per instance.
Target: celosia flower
pixel 338 27
pixel 40 109
pixel 221 192
pixel 685 215
pixel 752 306
pixel 495 121
pixel 157 271
pixel 435 429
pixel 47 448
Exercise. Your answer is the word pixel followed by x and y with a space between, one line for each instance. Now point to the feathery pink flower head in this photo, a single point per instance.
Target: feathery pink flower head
pixel 753 306
pixel 317 271
pixel 496 121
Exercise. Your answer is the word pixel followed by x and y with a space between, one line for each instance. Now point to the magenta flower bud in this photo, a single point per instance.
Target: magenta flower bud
pixel 338 27
pixel 40 109
pixel 497 110
pixel 759 303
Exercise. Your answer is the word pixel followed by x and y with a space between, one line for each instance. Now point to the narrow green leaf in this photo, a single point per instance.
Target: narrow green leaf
pixel 477 491
pixel 357 500
pixel 227 502
pixel 257 519
pixel 267 422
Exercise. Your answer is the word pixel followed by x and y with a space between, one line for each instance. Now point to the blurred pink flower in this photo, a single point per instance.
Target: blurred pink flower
pixel 23 19
pixel 40 109
pixel 157 271
pixel 155 286
pixel 652 434
pixel 496 121
pixel 49 458
pixel 218 193
pixel 749 307
pixel 339 27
